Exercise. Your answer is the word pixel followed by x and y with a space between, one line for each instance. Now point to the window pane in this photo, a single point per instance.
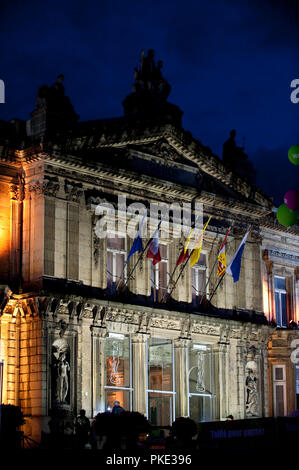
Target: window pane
pixel 279 283
pixel 194 284
pixel 109 268
pixel 278 373
pixel 202 260
pixel 201 408
pixel 116 243
pixel 199 279
pixel 279 400
pixel 160 364
pixel 283 309
pixel 123 396
pixel 154 276
pixel 277 309
pixel 117 362
pixel 120 262
pixel 163 251
pixel 200 369
pixel 163 275
pixel 160 409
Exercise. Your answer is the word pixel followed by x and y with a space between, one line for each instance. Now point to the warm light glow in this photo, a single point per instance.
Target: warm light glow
pixel 4 239
pixel 266 299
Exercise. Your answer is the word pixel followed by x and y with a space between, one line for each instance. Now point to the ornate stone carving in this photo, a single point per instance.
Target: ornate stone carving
pixel 73 191
pixel 35 187
pixel 186 328
pixel 50 186
pixel 122 316
pixel 62 327
pixel 204 329
pixel 165 324
pixel 144 323
pixel 14 192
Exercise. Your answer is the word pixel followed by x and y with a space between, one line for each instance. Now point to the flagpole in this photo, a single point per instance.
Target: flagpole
pixel 170 279
pixel 135 265
pixel 222 277
pixel 122 274
pixel 181 272
pixel 173 272
pixel 218 284
pixel 140 256
pixel 216 260
pixel 208 280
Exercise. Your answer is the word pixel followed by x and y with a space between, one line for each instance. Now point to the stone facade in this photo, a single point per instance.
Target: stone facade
pixel 57 313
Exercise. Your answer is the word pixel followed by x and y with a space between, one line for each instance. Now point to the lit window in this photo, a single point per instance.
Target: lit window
pixel 279 390
pixel 280 301
pixel 201 383
pixel 160 382
pixel 118 371
pixel 199 279
pixel 116 257
pixel 160 275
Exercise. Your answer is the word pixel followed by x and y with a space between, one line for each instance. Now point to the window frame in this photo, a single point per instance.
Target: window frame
pixel 165 392
pixel 114 252
pixel 204 268
pixel 281 382
pixel 280 292
pixel 155 276
pixel 129 389
pixel 211 395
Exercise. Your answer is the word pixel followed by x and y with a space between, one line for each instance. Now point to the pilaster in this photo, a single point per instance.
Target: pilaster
pixel 181 377
pixel 139 341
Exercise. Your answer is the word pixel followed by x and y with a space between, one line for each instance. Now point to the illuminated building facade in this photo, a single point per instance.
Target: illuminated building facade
pixel 70 339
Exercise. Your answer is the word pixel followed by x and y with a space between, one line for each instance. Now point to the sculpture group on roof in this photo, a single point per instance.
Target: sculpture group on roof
pixel 148 78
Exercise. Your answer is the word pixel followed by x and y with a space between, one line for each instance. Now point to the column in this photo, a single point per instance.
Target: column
pixel 139 372
pixel 86 368
pixel 241 379
pixel 181 377
pixel 98 369
pixel 49 236
pixel 221 375
pixel 262 377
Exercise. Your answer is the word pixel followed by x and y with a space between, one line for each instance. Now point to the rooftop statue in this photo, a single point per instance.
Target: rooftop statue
pixel 54 111
pixel 237 160
pixel 231 151
pixel 150 91
pixel 148 78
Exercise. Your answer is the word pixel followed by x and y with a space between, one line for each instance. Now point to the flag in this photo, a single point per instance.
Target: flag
pixel 222 257
pixel 197 250
pixel 235 265
pixel 137 243
pixel 153 251
pixel 184 255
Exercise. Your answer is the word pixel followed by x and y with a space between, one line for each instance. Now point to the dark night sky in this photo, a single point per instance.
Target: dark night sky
pixel 230 64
